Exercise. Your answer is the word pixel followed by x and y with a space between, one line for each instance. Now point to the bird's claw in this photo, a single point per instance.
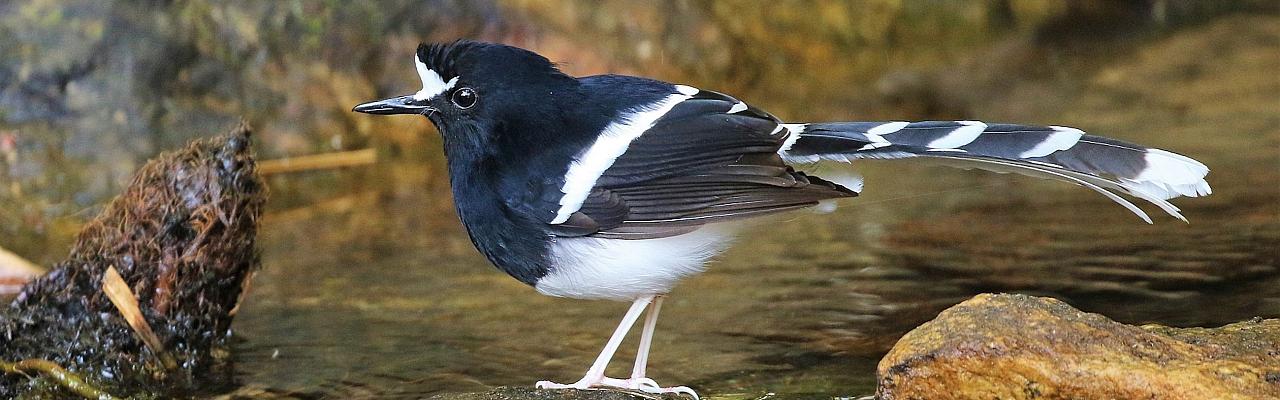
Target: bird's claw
pixel 637 383
pixel 652 387
pixel 552 385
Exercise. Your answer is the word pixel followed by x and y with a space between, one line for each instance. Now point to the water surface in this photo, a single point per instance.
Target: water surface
pixel 370 288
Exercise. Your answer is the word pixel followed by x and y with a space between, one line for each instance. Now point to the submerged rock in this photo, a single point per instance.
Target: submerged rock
pixel 181 237
pixel 1021 347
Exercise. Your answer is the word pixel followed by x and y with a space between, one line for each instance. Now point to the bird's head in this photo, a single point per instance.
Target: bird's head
pixel 467 87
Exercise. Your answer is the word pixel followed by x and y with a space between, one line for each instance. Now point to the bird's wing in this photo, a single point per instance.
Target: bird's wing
pixel 707 158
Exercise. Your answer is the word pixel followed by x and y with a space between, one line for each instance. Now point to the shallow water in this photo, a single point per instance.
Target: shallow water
pixel 370 288
pixel 804 303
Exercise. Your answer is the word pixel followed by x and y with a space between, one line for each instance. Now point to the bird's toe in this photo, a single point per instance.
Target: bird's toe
pixel 553 385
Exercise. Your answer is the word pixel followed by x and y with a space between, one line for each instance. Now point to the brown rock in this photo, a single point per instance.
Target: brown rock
pixel 1001 346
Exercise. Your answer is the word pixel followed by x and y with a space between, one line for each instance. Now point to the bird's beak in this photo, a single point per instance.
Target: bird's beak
pixel 396 105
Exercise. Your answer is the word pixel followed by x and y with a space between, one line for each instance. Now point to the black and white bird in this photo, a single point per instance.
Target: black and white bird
pixel 617 187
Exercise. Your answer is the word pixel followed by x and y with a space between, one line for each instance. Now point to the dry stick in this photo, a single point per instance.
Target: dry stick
pixel 15 263
pixel 332 206
pixel 15 271
pixel 318 161
pixel 244 291
pixel 122 296
pixel 67 379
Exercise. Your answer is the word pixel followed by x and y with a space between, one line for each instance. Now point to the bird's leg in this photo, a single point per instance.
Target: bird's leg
pixel 638 379
pixel 595 375
pixel 646 339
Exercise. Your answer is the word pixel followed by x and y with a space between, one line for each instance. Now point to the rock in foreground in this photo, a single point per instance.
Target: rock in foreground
pixel 1022 347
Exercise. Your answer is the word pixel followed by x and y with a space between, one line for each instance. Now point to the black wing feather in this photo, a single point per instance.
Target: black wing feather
pixel 700 164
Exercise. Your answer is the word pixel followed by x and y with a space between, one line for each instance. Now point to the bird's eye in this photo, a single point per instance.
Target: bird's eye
pixel 464 98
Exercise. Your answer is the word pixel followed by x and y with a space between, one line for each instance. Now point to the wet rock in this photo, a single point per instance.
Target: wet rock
pixel 529 393
pixel 1022 347
pixel 182 238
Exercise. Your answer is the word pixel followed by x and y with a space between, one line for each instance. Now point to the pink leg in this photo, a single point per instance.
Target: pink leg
pixel 646 339
pixel 595 376
pixel 638 379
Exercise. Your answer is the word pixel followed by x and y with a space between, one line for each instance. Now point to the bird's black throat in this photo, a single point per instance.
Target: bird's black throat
pixel 516 246
pixel 495 167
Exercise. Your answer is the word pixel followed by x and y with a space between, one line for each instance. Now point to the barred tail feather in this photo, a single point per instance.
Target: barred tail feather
pixel 1107 166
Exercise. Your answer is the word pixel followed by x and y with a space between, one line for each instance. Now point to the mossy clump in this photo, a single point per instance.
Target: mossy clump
pixel 182 237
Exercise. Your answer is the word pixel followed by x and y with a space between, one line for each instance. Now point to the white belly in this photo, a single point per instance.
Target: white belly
pixel 624 270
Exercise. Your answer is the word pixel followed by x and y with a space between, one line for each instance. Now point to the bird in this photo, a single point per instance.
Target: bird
pixel 616 187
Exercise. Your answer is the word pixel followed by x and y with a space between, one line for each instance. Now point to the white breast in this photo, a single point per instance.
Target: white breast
pixel 624 270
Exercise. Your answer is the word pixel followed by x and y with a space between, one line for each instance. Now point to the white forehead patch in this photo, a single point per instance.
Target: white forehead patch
pixel 432 83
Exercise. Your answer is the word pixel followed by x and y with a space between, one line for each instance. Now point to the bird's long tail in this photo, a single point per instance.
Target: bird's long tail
pixel 1107 166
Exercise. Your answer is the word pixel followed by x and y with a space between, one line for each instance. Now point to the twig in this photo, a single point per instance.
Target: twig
pixel 122 296
pixel 15 271
pixel 15 263
pixel 318 161
pixel 244 291
pixel 330 206
pixel 67 379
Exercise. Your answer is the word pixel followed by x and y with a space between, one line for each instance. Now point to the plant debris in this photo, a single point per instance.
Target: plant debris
pixel 314 162
pixel 65 379
pixel 182 239
pixel 14 272
pixel 122 296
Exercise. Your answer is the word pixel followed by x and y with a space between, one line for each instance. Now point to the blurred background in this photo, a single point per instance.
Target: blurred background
pixel 370 287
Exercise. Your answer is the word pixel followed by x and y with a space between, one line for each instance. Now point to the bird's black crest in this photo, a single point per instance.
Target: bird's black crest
pixel 443 57
pixel 488 60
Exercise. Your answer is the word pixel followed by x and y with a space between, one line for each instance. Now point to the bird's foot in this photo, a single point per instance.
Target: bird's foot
pixel 552 385
pixel 647 385
pixel 641 384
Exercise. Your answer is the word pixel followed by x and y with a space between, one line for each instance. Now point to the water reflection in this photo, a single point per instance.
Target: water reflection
pixel 371 289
